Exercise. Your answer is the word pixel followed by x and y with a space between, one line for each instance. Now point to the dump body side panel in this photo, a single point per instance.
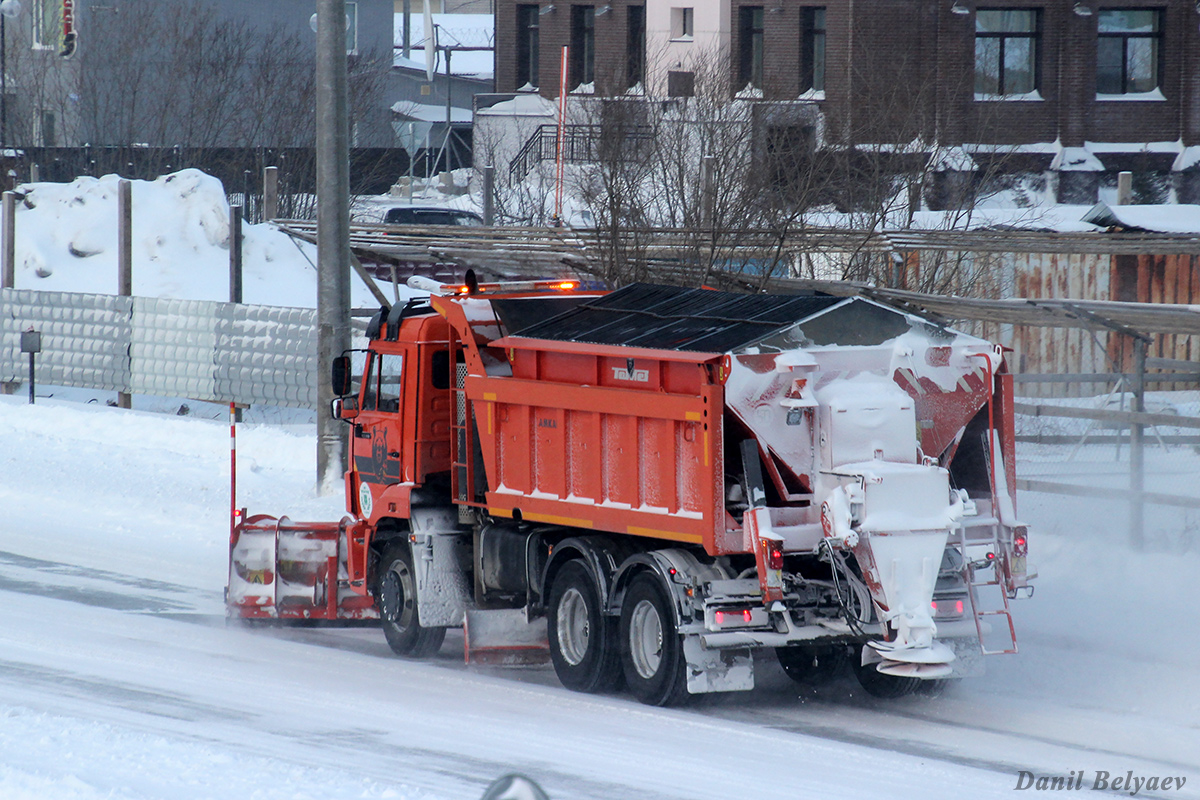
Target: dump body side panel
pixel 621 440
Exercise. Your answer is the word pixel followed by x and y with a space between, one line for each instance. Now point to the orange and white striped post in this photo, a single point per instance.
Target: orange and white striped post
pixel 233 512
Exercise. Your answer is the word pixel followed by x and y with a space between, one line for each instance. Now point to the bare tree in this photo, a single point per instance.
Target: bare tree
pixel 163 75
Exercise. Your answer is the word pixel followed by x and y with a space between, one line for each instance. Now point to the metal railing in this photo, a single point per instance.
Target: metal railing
pixel 580 143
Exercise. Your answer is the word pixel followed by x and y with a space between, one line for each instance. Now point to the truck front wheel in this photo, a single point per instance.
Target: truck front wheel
pixel 582 645
pixel 397 598
pixel 652 651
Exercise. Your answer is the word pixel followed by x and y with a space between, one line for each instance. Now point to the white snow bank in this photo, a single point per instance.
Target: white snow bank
pixel 66 240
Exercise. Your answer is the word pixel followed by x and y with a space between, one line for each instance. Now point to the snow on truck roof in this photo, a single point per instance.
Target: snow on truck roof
pixel 675 318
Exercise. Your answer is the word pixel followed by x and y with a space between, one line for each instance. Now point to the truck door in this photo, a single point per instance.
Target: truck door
pixel 378 427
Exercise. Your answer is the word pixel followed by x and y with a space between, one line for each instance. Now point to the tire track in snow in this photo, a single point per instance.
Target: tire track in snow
pixel 106 590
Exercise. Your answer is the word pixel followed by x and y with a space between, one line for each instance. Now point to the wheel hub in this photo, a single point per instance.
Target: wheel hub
pixel 396 597
pixel 573 626
pixel 645 639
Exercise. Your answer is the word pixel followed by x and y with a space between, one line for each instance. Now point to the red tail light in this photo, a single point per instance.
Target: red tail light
pixel 944 610
pixel 1020 541
pixel 774 553
pixel 734 617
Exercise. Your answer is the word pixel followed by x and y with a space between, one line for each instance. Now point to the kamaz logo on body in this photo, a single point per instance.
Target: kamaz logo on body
pixel 639 375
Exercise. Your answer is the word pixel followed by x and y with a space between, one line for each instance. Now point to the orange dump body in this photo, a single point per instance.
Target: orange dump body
pixel 624 440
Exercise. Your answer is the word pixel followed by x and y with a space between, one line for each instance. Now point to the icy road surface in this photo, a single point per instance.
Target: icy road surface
pixel 119 678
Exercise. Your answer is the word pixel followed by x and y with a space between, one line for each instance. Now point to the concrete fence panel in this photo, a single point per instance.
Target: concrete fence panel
pixel 197 349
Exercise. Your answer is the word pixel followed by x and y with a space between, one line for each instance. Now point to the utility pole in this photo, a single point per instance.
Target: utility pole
pixel 124 257
pixel 333 231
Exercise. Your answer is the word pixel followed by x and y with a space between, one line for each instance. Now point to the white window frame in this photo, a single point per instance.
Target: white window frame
pixel 38 9
pixel 683 24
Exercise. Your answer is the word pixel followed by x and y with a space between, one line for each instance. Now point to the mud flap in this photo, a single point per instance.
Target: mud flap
pixel 711 670
pixel 443 590
pixel 504 637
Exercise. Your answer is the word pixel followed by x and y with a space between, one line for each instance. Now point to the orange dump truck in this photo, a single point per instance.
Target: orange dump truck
pixel 655 482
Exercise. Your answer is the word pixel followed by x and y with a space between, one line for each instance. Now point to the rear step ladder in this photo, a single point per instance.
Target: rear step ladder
pixel 976 612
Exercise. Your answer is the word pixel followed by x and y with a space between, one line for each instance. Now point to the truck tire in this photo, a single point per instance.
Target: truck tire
pixel 885 687
pixel 814 664
pixel 651 649
pixel 582 640
pixel 397 598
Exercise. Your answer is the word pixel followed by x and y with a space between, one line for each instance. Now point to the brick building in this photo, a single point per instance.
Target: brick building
pixel 1078 89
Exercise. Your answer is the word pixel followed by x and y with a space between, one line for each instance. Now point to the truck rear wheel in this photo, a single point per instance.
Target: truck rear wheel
pixel 582 645
pixel 398 607
pixel 651 649
pixel 885 687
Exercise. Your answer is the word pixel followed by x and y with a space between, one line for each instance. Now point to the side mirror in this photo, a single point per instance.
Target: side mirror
pixel 343 407
pixel 340 376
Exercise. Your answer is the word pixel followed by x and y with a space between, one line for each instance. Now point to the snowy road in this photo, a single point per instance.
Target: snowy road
pixel 120 679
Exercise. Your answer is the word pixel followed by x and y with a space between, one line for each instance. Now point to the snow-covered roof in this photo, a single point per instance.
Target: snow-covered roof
pixel 1158 219
pixel 525 104
pixel 465 30
pixel 1057 218
pixel 424 112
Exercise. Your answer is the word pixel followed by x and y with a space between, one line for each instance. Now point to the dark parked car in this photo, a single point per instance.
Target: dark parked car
pixel 419 215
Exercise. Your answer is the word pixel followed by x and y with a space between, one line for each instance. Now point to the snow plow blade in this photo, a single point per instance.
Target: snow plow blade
pixel 279 569
pixel 504 637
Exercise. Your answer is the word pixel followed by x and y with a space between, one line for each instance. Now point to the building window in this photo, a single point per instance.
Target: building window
pixel 527 46
pixel 351 27
pixel 635 45
pixel 1006 51
pixel 583 46
pixel 812 50
pixel 750 38
pixel 47 24
pixel 683 23
pixel 1127 50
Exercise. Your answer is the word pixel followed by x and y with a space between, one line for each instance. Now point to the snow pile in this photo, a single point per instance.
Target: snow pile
pixel 66 240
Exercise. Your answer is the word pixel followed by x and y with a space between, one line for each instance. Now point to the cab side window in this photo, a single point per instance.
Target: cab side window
pixel 371 385
pixel 391 376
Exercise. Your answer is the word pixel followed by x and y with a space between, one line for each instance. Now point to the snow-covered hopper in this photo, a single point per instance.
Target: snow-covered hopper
pixel 669 478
